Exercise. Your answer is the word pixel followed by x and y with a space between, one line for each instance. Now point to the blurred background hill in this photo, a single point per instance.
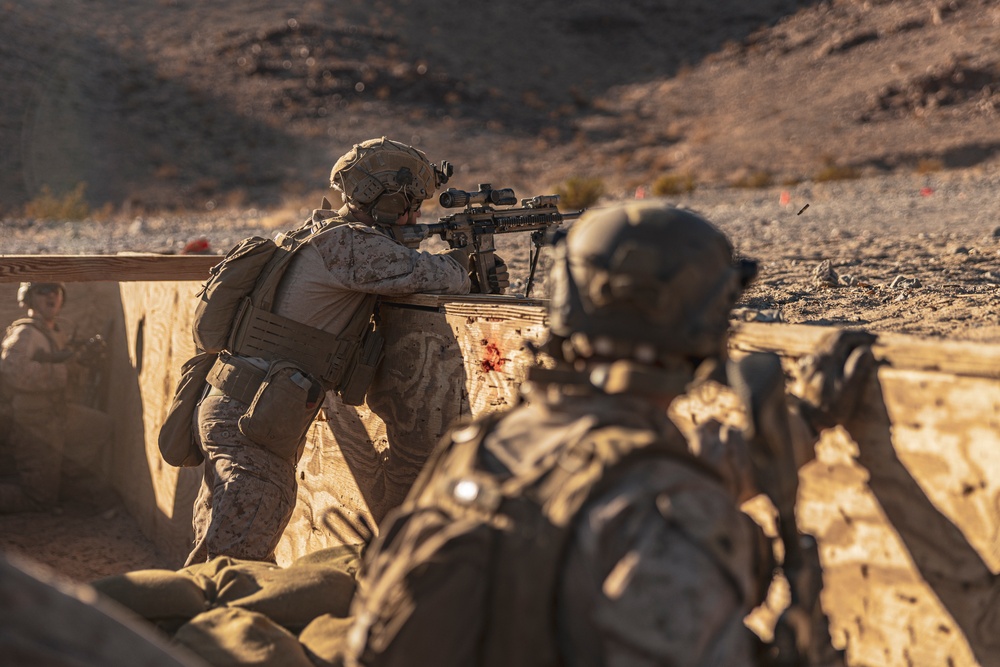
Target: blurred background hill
pixel 185 104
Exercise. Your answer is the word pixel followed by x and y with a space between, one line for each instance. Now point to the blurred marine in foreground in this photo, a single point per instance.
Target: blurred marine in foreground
pixel 579 528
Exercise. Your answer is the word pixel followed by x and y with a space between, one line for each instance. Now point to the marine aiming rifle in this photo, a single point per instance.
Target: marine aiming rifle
pixel 479 222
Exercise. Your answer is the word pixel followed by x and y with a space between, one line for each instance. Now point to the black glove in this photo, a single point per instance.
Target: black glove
pixel 499 277
pixel 57 357
pixel 833 379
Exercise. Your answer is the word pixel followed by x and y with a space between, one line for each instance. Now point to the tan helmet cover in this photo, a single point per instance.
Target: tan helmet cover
pixel 26 288
pixel 384 178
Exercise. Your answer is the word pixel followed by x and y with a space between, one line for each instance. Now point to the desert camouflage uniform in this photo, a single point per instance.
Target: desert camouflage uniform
pixel 248 493
pixel 45 425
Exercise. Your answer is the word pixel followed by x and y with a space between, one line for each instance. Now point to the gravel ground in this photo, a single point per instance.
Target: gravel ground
pixel 908 253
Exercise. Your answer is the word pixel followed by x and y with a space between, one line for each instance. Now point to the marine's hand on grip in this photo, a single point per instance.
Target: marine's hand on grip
pixel 497 279
pixel 831 380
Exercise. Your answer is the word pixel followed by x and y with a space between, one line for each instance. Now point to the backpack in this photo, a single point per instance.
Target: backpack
pixel 250 271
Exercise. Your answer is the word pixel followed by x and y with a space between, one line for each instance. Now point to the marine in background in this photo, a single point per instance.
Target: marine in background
pixel 579 528
pixel 328 291
pixel 47 431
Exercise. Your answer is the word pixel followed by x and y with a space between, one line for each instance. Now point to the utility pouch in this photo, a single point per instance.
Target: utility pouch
pixel 360 376
pixel 284 406
pixel 236 377
pixel 178 442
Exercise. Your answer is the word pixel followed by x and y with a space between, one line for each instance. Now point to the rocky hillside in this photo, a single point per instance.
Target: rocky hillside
pixel 186 104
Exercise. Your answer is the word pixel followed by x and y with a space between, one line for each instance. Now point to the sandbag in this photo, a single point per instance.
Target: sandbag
pixel 344 557
pixel 291 597
pixel 324 640
pixel 234 637
pixel 203 574
pixel 164 597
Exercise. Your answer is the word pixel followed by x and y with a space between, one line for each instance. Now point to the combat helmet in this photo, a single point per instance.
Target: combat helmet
pixel 385 178
pixel 647 282
pixel 27 288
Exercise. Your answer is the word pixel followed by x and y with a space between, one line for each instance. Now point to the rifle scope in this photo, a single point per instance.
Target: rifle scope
pixel 453 198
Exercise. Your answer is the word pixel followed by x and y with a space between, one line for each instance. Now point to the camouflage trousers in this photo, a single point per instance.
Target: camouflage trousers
pixel 247 493
pixel 47 434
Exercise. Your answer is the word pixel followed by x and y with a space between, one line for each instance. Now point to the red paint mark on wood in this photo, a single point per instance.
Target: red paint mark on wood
pixel 493 359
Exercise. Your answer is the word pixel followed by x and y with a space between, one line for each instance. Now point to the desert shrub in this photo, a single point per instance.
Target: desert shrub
pixel 675 183
pixel 48 206
pixel 755 179
pixel 833 172
pixel 105 213
pixel 580 192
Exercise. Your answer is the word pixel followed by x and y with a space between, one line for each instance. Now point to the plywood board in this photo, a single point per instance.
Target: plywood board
pixel 119 268
pixel 443 361
pixel 157 341
pixel 905 501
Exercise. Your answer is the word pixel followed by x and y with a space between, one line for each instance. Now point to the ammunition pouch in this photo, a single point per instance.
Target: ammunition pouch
pixel 283 400
pixel 283 408
pixel 360 376
pixel 236 377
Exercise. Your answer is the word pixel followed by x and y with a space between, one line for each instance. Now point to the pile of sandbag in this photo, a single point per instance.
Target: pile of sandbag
pixel 239 612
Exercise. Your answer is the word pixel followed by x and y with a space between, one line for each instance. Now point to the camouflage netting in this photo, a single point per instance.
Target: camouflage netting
pixel 239 612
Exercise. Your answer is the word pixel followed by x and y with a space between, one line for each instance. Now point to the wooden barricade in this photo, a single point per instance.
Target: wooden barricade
pixel 905 501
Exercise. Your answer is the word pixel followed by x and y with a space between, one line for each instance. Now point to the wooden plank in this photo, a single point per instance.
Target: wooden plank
pixel 899 351
pixel 502 303
pixel 157 340
pixel 119 268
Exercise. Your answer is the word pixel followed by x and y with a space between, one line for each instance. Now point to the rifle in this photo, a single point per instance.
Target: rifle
pixel 479 222
pixel 91 355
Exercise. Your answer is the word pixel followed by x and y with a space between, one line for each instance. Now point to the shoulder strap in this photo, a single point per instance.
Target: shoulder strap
pixel 288 244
